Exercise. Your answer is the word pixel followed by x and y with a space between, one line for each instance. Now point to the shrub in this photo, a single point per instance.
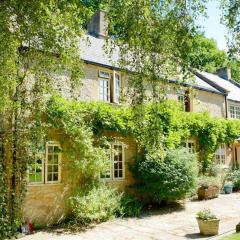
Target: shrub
pixel 234 177
pixel 130 206
pixel 171 178
pixel 206 214
pixel 98 204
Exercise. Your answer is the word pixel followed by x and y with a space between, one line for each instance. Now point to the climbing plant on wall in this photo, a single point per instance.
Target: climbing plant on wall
pixel 163 126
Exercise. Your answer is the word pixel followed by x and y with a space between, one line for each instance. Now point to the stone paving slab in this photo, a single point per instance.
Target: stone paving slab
pixel 167 224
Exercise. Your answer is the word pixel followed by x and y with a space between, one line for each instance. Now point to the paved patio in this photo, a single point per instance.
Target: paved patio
pixel 167 224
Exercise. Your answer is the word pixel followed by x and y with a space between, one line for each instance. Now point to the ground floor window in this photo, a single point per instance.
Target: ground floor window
pixel 115 167
pixel 220 155
pixel 191 146
pixel 45 166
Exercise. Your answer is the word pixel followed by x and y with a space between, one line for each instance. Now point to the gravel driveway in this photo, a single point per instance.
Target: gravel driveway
pixel 167 224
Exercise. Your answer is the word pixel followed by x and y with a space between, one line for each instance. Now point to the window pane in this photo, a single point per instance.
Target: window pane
pixel 50 149
pixel 106 174
pixel 118 161
pixel 55 177
pixel 50 159
pixel 52 167
pixel 56 149
pixel 55 168
pixel 35 168
pixel 103 90
pixel 49 178
pixel 55 159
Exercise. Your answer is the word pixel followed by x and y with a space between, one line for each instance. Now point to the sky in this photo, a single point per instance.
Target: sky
pixel 212 26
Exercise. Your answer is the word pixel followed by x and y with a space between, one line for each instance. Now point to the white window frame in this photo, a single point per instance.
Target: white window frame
pixel 220 155
pixel 116 87
pixel 181 100
pixel 111 158
pixel 104 74
pixel 102 88
pixel 235 112
pixel 193 144
pixel 53 144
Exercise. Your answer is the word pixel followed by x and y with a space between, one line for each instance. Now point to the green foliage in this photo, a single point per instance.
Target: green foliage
pixel 96 204
pixel 230 16
pixel 130 206
pixel 159 36
pixel 206 214
pixel 234 177
pixel 161 127
pixel 234 65
pixel 206 55
pixel 155 127
pixel 166 179
pixel 39 43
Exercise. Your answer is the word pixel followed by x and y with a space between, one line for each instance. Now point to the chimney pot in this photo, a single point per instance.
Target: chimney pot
pixel 98 25
pixel 224 73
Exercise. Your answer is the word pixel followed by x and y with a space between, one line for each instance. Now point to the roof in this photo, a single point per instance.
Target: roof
pixel 202 85
pixel 93 51
pixel 232 88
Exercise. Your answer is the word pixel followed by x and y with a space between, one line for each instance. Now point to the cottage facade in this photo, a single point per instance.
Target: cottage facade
pixel 49 186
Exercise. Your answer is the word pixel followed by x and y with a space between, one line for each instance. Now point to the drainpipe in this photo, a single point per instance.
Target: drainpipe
pixel 226 106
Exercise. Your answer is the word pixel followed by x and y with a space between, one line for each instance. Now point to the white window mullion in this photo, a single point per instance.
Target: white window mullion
pixel 53 169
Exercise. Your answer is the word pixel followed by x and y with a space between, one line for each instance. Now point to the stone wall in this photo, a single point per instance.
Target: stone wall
pixel 47 204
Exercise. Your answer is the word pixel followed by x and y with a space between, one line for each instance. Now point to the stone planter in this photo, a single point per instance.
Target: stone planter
pixel 208 193
pixel 228 188
pixel 208 227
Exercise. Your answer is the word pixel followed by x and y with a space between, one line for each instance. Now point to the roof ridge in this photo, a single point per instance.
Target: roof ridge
pixel 210 82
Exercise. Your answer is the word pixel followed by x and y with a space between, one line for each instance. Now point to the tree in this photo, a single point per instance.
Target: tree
pixel 154 40
pixel 206 55
pixel 39 41
pixel 231 17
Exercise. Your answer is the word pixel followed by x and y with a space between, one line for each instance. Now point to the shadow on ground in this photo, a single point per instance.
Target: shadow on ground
pixel 195 236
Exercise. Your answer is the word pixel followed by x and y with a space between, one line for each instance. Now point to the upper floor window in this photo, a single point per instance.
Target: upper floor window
pixel 234 111
pixel 104 90
pixel 117 83
pixel 109 86
pixel 45 166
pixel 115 168
pixel 184 100
pixel 181 100
pixel 220 155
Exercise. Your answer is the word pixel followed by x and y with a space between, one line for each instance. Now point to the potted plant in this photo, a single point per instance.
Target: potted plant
pixel 208 223
pixel 208 188
pixel 228 187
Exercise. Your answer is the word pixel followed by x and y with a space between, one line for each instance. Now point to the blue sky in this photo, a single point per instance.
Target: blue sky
pixel 212 26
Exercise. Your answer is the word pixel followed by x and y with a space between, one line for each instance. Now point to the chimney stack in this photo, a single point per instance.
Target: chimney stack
pixel 224 73
pixel 98 26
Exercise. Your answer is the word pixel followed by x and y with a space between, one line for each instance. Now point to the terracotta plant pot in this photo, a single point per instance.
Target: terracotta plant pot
pixel 208 227
pixel 208 193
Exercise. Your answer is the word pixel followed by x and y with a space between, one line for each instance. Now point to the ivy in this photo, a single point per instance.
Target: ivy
pixel 155 127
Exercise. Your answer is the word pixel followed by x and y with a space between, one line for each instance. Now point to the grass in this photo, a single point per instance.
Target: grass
pixel 235 236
